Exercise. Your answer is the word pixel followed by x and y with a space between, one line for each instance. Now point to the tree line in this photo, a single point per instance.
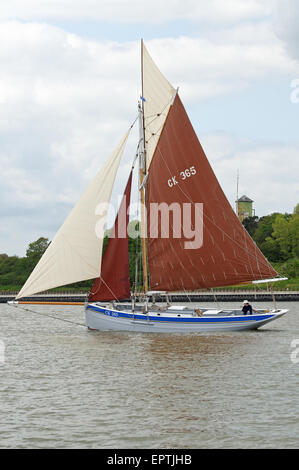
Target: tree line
pixel 277 236
pixel 15 270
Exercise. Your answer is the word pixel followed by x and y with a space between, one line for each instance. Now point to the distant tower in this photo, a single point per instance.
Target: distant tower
pixel 244 208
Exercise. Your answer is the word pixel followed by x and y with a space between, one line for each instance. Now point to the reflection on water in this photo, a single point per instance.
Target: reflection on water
pixel 64 386
pixel 193 344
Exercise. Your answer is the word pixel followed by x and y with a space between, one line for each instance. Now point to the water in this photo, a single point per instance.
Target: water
pixel 63 386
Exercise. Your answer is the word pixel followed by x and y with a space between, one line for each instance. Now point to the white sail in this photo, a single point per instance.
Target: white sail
pixel 158 94
pixel 76 251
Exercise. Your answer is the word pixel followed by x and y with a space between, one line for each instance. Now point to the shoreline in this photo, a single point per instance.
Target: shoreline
pixel 220 296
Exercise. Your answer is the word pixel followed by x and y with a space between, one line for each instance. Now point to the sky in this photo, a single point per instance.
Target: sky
pixel 70 82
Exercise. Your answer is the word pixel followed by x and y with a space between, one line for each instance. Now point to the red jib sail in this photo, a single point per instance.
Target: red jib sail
pixel 114 282
pixel 180 178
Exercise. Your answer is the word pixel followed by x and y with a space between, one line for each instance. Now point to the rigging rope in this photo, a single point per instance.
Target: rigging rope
pixel 47 315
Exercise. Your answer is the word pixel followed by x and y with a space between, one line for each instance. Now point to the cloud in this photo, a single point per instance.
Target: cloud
pixel 225 62
pixel 268 172
pixel 286 20
pixel 62 97
pixel 140 11
pixel 66 101
pixel 63 109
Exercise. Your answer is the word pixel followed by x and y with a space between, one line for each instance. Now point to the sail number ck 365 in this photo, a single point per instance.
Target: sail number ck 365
pixel 187 173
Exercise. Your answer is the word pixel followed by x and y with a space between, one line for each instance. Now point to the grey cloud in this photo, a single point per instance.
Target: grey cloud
pixel 65 102
pixel 286 24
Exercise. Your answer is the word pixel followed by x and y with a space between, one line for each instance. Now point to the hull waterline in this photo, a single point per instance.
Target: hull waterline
pixel 111 319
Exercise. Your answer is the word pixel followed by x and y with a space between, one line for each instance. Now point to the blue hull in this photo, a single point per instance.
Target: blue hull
pixel 104 318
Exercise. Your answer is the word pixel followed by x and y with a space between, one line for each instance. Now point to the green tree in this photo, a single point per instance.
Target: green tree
pixel 251 224
pixel 296 210
pixel 289 268
pixel 36 249
pixel 264 228
pixel 294 234
pixel 271 249
pixel 281 233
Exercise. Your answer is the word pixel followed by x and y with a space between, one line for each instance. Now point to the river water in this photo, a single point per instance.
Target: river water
pixel 63 386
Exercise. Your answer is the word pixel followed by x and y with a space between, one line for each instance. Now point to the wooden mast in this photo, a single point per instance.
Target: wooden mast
pixel 142 175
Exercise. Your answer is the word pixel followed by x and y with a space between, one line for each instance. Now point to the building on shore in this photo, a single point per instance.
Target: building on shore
pixel 244 208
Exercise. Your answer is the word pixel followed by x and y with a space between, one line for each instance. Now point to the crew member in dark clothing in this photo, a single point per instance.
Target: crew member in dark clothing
pixel 247 308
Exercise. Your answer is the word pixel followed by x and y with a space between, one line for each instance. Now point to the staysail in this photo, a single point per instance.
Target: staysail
pixel 180 178
pixel 76 251
pixel 114 282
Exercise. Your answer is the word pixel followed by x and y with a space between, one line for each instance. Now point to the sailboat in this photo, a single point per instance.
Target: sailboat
pixel 191 238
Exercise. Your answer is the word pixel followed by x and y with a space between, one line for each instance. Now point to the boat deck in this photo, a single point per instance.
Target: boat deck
pixel 177 311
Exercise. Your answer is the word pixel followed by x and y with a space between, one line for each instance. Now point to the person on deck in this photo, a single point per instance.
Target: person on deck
pixel 247 308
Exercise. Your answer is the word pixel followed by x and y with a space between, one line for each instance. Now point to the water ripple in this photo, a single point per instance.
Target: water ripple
pixel 63 386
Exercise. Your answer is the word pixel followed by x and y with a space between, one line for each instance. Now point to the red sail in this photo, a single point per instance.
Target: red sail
pixel 180 174
pixel 114 282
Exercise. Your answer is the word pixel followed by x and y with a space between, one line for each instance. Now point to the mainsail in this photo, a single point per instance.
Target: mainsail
pixel 76 251
pixel 180 174
pixel 114 282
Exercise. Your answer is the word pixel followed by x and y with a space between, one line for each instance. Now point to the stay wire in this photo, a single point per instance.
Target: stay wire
pixel 47 315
